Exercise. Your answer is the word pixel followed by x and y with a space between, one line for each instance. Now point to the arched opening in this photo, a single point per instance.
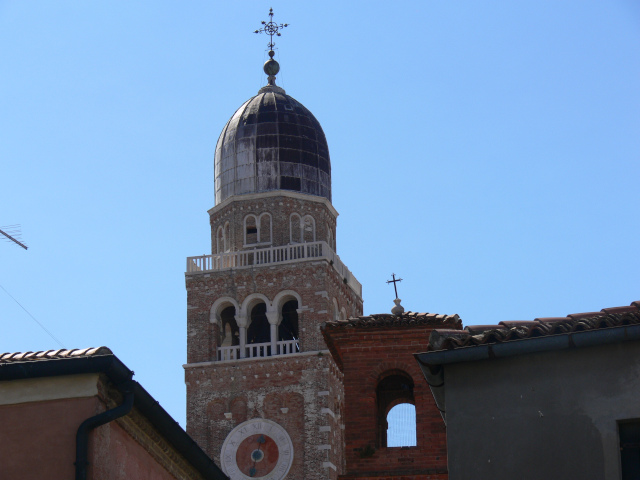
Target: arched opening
pixel 259 330
pixel 264 230
pixel 220 243
pixel 294 228
pixel 288 328
pixel 229 332
pixel 401 426
pixel 250 230
pixel 394 388
pixel 227 237
pixel 308 229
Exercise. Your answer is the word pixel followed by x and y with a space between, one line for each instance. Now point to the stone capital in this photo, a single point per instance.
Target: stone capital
pixel 273 317
pixel 242 320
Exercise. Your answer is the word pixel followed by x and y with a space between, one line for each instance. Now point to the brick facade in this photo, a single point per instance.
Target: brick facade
pixel 367 353
pixel 300 391
pixel 279 206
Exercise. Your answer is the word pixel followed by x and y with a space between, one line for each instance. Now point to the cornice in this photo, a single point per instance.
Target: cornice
pixel 274 193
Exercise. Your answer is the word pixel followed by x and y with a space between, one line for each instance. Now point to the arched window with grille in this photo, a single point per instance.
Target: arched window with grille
pixel 395 388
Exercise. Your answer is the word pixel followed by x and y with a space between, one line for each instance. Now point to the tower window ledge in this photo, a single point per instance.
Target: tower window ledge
pixel 255 245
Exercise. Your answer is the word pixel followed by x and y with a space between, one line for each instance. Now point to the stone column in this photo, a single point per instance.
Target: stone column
pixel 274 320
pixel 242 320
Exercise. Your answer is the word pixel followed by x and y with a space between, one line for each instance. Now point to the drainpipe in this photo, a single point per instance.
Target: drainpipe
pixel 82 436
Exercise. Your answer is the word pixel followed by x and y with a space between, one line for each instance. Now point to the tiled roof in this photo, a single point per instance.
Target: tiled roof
pixel 53 354
pixel 506 331
pixel 407 319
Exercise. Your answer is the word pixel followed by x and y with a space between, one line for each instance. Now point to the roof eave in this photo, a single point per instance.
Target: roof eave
pixel 432 363
pixel 118 373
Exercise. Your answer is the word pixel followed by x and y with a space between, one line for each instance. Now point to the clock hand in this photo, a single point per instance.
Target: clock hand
pixel 252 470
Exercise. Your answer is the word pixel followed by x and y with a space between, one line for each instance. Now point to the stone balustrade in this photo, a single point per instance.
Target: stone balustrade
pixel 272 256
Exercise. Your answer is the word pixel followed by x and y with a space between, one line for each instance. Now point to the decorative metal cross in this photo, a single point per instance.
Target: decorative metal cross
pixel 394 281
pixel 271 28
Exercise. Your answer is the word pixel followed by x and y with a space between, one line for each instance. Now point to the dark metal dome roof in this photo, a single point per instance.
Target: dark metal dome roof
pixel 272 142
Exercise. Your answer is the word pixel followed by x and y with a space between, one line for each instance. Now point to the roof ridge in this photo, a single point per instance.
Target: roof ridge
pixel 509 330
pixel 54 354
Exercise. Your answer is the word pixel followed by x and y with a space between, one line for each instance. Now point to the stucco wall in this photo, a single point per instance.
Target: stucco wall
pixel 38 434
pixel 39 438
pixel 541 416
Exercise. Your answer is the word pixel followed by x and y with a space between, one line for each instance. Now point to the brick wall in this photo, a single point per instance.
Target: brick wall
pixel 367 355
pixel 300 392
pixel 280 206
pixel 316 282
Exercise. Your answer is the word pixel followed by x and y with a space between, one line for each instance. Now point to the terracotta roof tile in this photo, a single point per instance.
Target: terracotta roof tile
pixel 53 354
pixel 473 329
pixel 552 319
pixel 630 308
pixel 472 335
pixel 577 316
pixel 388 320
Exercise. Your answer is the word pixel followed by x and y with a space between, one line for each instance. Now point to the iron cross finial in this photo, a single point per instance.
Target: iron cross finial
pixel 394 281
pixel 271 28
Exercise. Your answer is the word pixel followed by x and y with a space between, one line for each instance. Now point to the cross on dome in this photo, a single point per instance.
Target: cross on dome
pixel 271 67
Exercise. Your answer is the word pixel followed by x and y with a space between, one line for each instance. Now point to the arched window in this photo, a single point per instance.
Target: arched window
pixel 220 243
pixel 336 310
pixel 294 228
pixel 288 328
pixel 401 426
pixel 264 228
pixel 259 330
pixel 250 230
pixel 227 237
pixel 394 388
pixel 308 229
pixel 330 241
pixel 229 332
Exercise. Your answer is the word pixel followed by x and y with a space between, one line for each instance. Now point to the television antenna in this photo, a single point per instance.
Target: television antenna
pixel 12 233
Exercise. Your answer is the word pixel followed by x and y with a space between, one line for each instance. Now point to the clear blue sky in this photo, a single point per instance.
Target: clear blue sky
pixel 488 153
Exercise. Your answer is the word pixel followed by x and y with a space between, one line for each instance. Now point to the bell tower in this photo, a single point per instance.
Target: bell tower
pixel 264 397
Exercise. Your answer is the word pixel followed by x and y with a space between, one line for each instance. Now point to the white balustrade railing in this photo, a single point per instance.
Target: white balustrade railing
pixel 286 347
pixel 273 255
pixel 229 353
pixel 257 350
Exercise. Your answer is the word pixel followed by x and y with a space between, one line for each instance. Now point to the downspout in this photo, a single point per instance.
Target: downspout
pixel 82 436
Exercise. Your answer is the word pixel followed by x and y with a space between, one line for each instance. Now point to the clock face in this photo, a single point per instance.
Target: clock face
pixel 257 448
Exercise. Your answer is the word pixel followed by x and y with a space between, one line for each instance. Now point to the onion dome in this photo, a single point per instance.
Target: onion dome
pixel 272 142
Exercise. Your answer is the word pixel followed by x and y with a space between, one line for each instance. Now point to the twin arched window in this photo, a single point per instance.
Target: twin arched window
pixel 257 229
pixel 302 228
